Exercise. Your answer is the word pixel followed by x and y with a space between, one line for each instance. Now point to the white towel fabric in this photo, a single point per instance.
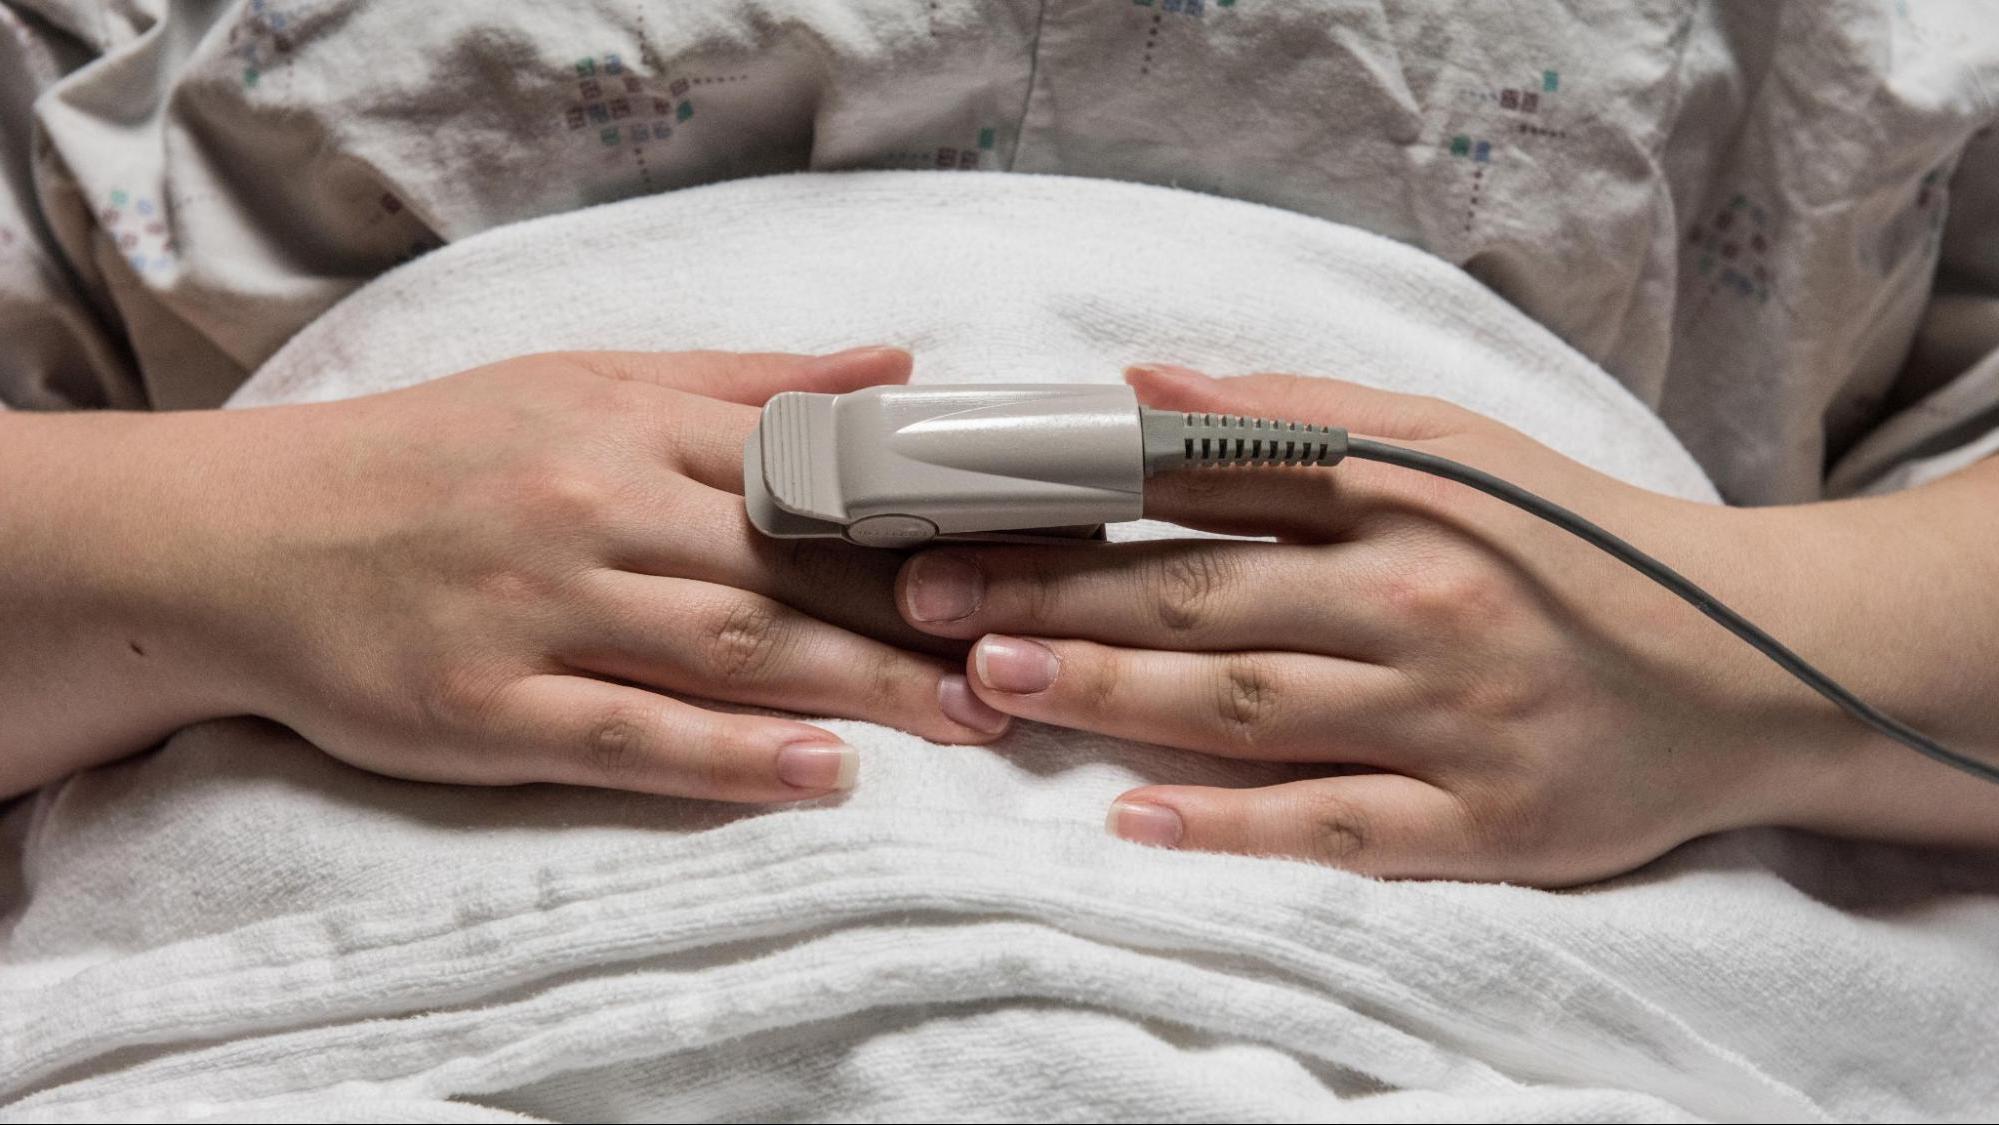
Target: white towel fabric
pixel 239 928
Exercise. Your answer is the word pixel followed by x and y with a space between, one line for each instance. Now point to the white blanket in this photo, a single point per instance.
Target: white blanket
pixel 237 927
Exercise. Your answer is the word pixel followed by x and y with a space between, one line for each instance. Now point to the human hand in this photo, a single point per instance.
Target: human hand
pixel 491 578
pixel 1493 698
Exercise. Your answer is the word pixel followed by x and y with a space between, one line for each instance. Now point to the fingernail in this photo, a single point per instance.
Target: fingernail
pixel 818 765
pixel 1015 666
pixel 1169 369
pixel 829 366
pixel 944 588
pixel 955 699
pixel 1152 825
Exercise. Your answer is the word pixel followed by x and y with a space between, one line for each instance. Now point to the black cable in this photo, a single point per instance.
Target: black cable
pixel 1672 580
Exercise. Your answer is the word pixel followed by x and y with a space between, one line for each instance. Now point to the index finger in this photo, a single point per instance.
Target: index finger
pixel 720 393
pixel 1302 398
pixel 705 440
pixel 751 378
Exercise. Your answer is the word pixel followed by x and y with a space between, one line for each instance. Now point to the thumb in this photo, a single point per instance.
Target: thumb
pixel 751 378
pixel 1296 398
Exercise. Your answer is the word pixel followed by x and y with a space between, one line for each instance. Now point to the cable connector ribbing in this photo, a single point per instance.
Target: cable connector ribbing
pixel 1175 440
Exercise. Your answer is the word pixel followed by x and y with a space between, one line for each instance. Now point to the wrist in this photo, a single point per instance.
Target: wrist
pixel 1871 595
pixel 100 659
pixel 152 560
pixel 221 490
pixel 1772 748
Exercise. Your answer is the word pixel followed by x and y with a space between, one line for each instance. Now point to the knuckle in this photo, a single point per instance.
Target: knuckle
pixel 621 377
pixel 528 585
pixel 562 494
pixel 1508 818
pixel 1445 594
pixel 461 694
pixel 1246 703
pixel 745 642
pixel 630 397
pixel 628 386
pixel 1189 584
pixel 1508 697
pixel 888 678
pixel 1485 598
pixel 511 587
pixel 615 742
pixel 599 365
pixel 1339 829
pixel 1101 682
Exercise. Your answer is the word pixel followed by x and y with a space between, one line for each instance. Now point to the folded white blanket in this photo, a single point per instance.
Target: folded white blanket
pixel 239 928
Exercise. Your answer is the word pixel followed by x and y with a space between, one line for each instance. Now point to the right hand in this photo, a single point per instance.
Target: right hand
pixel 492 578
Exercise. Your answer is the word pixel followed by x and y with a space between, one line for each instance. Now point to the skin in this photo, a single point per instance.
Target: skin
pixel 498 578
pixel 492 578
pixel 1488 697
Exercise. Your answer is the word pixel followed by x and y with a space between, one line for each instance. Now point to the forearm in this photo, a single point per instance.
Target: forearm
pixel 100 524
pixel 1898 598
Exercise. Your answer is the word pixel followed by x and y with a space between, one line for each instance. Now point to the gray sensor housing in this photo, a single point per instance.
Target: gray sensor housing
pixel 899 466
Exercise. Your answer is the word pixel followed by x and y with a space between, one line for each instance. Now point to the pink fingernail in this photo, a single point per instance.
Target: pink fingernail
pixel 818 765
pixel 955 699
pixel 1014 665
pixel 943 588
pixel 1152 825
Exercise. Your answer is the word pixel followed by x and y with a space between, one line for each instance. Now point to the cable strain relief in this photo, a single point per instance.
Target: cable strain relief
pixel 1177 440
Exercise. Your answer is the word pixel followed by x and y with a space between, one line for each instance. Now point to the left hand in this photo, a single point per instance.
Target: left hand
pixel 1493 698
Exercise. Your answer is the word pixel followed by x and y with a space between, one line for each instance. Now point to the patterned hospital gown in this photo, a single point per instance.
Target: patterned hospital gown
pixel 1777 223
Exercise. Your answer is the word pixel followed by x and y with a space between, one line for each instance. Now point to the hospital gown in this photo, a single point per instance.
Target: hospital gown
pixel 1776 223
